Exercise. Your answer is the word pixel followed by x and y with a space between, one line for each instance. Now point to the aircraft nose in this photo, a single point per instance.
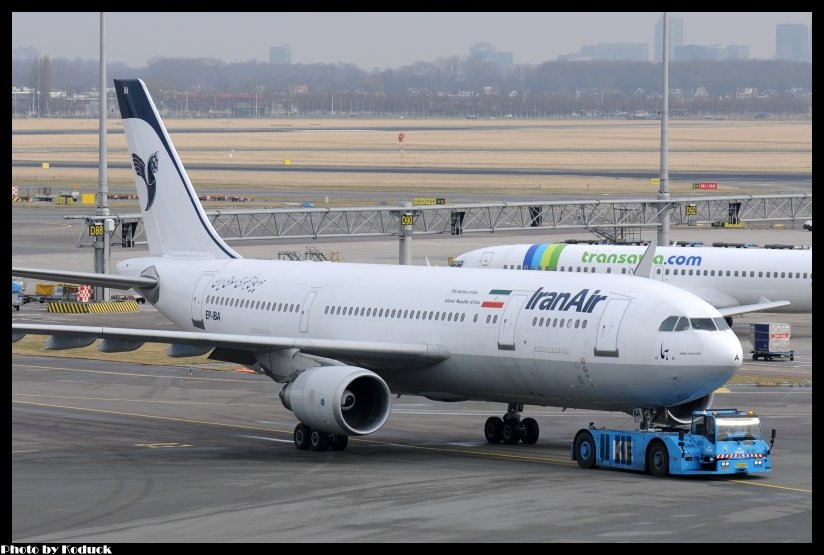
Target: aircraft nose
pixel 723 354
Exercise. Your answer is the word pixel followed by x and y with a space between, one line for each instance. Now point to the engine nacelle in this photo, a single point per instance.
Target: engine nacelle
pixel 682 414
pixel 343 400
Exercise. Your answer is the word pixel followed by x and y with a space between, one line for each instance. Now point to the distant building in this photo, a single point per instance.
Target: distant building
pixel 485 52
pixel 675 37
pixel 618 51
pixel 690 52
pixel 280 54
pixel 25 53
pixel 792 42
pixel 738 52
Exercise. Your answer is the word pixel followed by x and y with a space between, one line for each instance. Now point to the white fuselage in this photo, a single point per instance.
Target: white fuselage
pixel 723 277
pixel 547 339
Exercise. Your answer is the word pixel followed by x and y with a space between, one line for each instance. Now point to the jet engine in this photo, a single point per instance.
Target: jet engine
pixel 682 414
pixel 343 400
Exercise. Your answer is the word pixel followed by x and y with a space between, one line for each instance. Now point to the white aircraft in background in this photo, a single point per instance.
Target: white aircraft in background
pixel 733 280
pixel 344 337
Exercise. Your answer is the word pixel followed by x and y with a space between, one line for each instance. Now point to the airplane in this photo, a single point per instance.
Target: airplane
pixel 733 280
pixel 344 337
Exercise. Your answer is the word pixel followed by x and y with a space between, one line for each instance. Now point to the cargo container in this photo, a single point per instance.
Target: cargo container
pixel 771 341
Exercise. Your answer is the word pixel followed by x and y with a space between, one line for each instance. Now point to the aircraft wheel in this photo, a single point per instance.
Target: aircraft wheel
pixel 658 459
pixel 319 440
pixel 511 432
pixel 584 449
pixel 339 442
pixel 754 356
pixel 302 432
pixel 493 429
pixel 531 431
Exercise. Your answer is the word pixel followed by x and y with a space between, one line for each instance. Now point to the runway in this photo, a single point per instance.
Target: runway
pixel 107 452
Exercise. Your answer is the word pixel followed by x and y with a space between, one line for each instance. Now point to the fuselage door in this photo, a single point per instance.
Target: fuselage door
pixel 197 300
pixel 304 310
pixel 506 334
pixel 486 259
pixel 606 342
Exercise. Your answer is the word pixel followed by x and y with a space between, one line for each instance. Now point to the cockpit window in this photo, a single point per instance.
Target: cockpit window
pixel 457 263
pixel 683 324
pixel 668 324
pixel 721 323
pixel 702 324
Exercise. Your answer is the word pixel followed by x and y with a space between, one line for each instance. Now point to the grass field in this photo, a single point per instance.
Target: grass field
pixel 618 145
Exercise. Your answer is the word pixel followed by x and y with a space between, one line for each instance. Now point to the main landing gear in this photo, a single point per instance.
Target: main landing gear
pixel 511 429
pixel 307 438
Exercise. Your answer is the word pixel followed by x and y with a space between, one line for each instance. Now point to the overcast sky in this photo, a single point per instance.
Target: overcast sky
pixel 373 40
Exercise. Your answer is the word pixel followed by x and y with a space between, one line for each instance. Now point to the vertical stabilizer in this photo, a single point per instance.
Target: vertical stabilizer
pixel 174 220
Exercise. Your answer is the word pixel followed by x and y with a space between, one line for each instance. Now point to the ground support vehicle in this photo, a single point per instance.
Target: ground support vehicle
pixel 718 442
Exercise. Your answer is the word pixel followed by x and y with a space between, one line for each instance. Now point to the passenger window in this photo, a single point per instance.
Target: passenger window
pixel 495 319
pixel 562 323
pixel 475 318
pixel 535 319
pixel 462 316
pixel 583 324
pixel 488 317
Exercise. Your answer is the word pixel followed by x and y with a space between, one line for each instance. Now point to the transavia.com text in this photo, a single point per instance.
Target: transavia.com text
pixel 55 550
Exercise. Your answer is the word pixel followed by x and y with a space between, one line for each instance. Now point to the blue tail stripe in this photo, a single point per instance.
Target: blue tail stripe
pixel 528 256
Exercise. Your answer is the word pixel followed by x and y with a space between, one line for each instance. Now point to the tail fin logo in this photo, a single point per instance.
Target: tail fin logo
pixel 148 177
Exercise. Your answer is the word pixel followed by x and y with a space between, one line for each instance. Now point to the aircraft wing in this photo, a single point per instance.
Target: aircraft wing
pixel 87 278
pixel 755 307
pixel 378 353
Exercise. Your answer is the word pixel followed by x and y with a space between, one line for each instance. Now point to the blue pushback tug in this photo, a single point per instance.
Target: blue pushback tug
pixel 718 442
